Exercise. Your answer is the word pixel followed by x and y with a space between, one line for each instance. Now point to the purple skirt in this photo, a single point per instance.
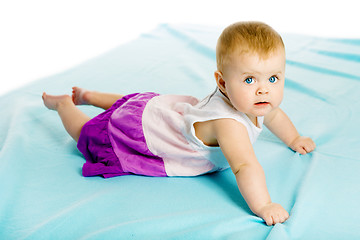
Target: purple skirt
pixel 113 142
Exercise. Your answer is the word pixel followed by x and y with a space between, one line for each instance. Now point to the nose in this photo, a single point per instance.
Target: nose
pixel 262 90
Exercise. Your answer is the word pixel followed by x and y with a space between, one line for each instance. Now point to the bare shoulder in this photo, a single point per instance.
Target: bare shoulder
pixel 209 131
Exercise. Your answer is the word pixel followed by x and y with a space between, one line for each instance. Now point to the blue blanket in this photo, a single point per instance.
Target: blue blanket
pixel 44 196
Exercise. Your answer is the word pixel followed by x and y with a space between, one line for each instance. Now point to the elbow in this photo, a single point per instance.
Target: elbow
pixel 246 167
pixel 236 170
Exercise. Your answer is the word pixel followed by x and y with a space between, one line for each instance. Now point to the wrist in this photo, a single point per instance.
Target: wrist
pixel 258 210
pixel 292 142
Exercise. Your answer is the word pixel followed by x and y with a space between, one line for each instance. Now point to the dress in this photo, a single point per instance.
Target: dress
pixel 153 135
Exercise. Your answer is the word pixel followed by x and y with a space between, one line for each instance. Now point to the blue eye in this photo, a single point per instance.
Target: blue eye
pixel 273 79
pixel 249 80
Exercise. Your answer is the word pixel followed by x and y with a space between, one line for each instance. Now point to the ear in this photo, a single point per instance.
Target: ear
pixel 220 81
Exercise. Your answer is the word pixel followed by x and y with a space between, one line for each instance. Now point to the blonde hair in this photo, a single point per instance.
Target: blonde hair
pixel 247 37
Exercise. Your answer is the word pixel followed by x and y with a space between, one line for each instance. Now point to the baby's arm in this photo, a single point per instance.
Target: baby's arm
pixel 237 148
pixel 280 124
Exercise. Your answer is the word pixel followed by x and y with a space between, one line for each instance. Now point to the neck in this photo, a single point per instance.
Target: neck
pixel 253 119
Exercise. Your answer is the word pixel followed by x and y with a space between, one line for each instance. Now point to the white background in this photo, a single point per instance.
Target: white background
pixel 39 38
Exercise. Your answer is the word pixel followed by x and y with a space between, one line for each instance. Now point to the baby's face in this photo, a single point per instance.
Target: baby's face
pixel 255 85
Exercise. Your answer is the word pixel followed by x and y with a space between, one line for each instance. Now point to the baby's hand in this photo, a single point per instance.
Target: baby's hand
pixel 273 213
pixel 303 145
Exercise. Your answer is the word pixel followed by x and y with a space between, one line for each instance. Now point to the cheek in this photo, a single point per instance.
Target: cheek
pixel 240 97
pixel 239 94
pixel 279 94
pixel 237 88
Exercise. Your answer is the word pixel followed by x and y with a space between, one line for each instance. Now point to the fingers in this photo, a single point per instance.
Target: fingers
pixel 282 218
pixel 301 150
pixel 274 213
pixel 269 220
pixel 303 145
pixel 308 144
pixel 272 220
pixel 278 218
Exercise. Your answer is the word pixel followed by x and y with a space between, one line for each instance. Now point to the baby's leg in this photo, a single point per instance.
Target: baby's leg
pixel 72 118
pixel 82 96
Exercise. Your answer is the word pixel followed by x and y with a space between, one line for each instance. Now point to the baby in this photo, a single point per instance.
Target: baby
pixel 170 135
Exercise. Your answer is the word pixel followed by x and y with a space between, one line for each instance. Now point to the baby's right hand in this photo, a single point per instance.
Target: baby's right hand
pixel 273 213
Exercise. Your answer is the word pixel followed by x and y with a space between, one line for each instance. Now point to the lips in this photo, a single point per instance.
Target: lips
pixel 262 103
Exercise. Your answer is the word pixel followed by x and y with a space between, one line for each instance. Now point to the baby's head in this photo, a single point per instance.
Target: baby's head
pixel 247 38
pixel 251 67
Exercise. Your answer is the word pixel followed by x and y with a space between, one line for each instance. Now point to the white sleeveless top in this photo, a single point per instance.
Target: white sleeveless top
pixel 168 125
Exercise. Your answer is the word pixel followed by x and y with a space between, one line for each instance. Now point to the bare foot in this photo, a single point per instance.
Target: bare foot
pixel 80 96
pixel 53 102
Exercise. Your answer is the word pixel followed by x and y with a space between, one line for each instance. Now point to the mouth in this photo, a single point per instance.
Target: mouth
pixel 260 104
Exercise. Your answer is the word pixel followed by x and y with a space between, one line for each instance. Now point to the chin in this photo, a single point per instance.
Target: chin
pixel 262 113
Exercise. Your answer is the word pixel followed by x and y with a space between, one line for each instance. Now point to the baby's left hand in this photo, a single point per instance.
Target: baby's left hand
pixel 302 145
